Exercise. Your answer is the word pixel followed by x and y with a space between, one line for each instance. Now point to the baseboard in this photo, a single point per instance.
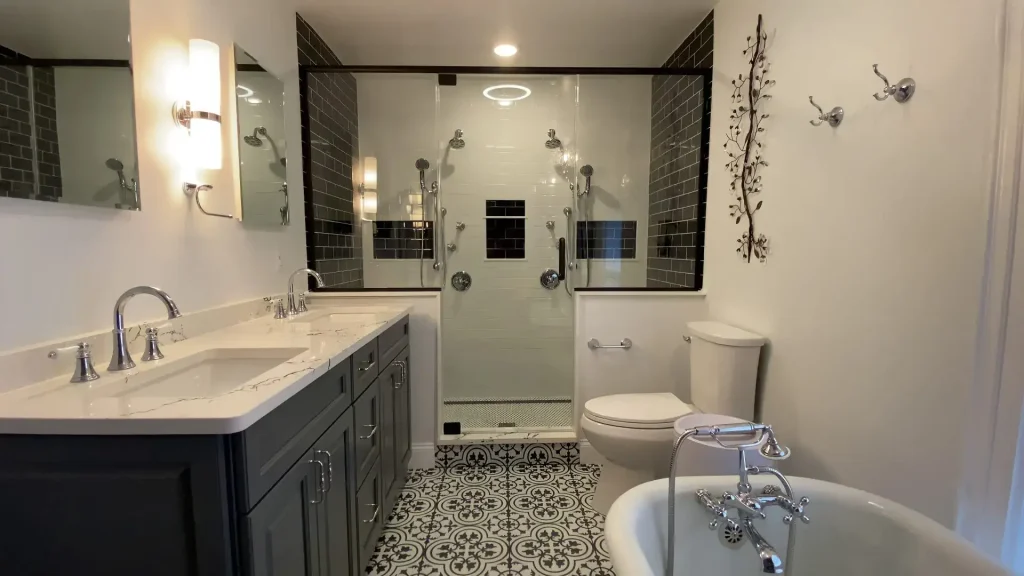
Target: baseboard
pixel 588 455
pixel 422 455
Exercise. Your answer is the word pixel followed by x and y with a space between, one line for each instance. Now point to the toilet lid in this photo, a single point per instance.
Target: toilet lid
pixel 644 410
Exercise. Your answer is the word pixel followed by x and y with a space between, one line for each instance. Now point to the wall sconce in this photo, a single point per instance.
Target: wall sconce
pixel 200 115
pixel 368 189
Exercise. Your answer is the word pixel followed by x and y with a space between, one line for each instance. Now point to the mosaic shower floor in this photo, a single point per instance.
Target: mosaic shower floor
pixel 497 510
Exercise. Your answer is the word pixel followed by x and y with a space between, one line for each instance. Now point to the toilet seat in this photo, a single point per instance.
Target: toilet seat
pixel 652 411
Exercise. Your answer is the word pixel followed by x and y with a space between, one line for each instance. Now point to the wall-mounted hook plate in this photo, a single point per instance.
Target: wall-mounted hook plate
pixel 834 116
pixel 901 92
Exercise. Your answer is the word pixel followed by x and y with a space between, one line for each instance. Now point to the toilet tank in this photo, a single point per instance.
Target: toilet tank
pixel 723 368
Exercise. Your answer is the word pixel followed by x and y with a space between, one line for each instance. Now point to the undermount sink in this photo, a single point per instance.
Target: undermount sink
pixel 852 533
pixel 208 373
pixel 359 315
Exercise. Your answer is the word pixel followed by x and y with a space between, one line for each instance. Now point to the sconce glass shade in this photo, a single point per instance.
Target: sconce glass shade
pixel 370 175
pixel 369 205
pixel 204 96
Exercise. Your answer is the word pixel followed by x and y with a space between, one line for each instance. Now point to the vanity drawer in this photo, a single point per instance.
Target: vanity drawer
pixel 268 448
pixel 369 514
pixel 369 432
pixel 393 341
pixel 365 366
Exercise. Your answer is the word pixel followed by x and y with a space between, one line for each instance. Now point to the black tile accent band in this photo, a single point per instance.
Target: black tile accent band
pixel 506 238
pixel 334 245
pixel 606 239
pixel 506 208
pixel 403 239
pixel 680 106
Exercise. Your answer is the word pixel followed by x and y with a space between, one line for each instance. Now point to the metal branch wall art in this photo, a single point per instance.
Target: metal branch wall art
pixel 744 145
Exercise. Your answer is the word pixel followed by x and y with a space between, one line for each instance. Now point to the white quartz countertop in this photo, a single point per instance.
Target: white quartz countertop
pixel 127 403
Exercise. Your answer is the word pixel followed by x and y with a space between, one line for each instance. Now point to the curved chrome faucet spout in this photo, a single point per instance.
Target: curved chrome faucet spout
pixel 293 306
pixel 770 561
pixel 121 359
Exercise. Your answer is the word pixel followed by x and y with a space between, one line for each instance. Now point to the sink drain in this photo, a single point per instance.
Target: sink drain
pixel 731 536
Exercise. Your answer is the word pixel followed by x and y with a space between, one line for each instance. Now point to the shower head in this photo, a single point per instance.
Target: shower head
pixel 771 449
pixel 422 165
pixel 114 164
pixel 457 142
pixel 587 171
pixel 255 140
pixel 553 142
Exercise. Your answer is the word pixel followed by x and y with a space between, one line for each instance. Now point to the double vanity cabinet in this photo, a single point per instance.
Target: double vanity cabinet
pixel 304 490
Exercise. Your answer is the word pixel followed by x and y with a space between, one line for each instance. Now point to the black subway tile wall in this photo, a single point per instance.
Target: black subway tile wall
pixel 675 245
pixel 506 229
pixel 606 239
pixel 16 171
pixel 506 208
pixel 330 105
pixel 403 239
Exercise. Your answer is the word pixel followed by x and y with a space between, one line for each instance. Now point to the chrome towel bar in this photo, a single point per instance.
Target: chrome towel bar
pixel 626 344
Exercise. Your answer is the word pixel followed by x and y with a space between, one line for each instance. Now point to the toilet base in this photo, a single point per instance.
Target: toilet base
pixel 614 482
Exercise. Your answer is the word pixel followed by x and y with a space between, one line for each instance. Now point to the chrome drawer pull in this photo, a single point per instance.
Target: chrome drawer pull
pixel 376 512
pixel 372 432
pixel 318 488
pixel 330 468
pixel 367 364
pixel 401 364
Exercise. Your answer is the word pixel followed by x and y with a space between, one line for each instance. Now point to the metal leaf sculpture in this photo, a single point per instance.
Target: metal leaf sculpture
pixel 744 146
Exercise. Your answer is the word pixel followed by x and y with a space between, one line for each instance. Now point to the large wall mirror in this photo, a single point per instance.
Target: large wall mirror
pixel 262 148
pixel 67 120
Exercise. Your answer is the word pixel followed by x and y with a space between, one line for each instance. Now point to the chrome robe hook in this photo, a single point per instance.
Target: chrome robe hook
pixel 901 92
pixel 834 117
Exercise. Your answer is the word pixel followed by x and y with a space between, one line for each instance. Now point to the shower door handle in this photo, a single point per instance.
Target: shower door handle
pixel 561 258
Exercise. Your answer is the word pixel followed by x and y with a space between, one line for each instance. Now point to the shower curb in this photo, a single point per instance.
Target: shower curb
pixel 506 455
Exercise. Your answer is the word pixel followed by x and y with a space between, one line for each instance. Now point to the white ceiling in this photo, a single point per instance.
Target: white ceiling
pixel 464 32
pixel 66 28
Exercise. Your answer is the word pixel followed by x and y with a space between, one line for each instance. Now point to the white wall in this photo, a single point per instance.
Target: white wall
pixel 870 296
pixel 94 123
pixel 74 261
pixel 659 360
pixel 261 173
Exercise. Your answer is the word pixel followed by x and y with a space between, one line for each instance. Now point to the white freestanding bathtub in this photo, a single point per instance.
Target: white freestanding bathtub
pixel 852 533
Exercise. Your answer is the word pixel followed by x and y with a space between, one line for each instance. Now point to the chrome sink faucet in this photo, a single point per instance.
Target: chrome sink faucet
pixel 121 359
pixel 294 305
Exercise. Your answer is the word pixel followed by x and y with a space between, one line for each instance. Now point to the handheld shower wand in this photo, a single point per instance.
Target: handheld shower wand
pixel 587 171
pixel 422 165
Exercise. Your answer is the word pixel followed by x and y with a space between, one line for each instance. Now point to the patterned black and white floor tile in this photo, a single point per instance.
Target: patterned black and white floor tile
pixel 486 517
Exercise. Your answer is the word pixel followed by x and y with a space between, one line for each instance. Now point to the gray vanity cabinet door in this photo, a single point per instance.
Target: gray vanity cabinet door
pixel 281 533
pixel 386 381
pixel 369 516
pixel 337 446
pixel 403 414
pixel 366 413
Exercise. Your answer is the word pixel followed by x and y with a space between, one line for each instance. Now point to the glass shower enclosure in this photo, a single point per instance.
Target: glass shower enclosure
pixel 510 193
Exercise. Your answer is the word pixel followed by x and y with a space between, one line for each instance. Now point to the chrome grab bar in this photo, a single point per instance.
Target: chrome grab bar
pixel 626 344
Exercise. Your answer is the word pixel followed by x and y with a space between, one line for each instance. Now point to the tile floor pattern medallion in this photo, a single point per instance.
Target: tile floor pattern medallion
pixel 496 510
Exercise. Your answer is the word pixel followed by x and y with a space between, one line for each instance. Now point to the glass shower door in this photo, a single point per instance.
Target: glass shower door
pixel 505 163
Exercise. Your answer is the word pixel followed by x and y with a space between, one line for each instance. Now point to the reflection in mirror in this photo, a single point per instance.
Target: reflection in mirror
pixel 67 122
pixel 261 143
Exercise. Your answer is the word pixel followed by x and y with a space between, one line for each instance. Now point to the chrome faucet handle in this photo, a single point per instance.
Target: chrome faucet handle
pixel 744 504
pixel 795 509
pixel 152 346
pixel 302 302
pixel 84 369
pixel 705 499
pixel 280 313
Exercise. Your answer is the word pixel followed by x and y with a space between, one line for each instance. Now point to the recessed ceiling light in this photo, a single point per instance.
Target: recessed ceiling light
pixel 505 50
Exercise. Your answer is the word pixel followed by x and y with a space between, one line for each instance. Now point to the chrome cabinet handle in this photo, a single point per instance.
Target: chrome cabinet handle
pixel 376 512
pixel 401 364
pixel 367 365
pixel 330 468
pixel 372 432
pixel 318 488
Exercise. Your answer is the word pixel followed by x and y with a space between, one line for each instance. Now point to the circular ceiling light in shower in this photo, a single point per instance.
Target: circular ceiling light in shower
pixel 505 50
pixel 243 92
pixel 507 93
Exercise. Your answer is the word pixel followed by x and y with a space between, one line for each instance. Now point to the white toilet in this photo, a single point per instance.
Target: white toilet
pixel 634 432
